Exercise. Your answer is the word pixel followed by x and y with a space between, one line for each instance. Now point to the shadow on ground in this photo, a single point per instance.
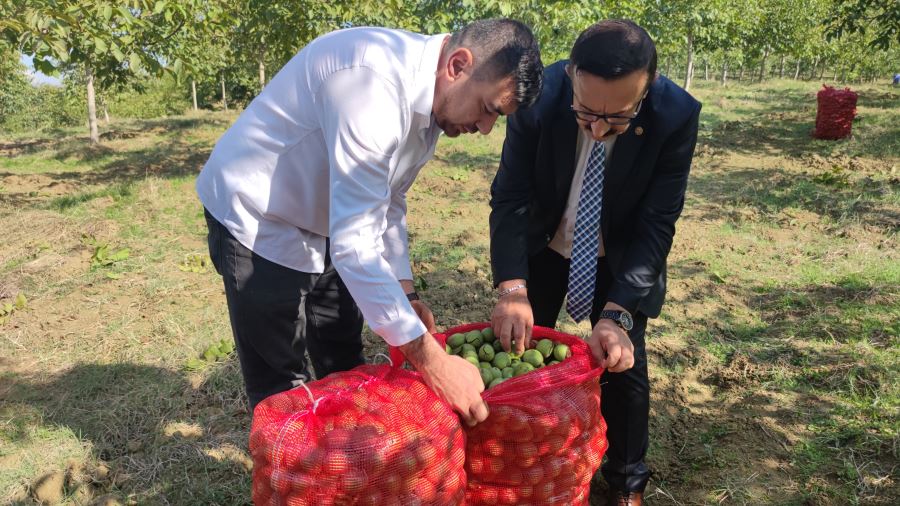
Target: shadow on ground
pixel 164 440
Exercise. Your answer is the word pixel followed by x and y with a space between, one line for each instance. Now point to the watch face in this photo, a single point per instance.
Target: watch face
pixel 626 320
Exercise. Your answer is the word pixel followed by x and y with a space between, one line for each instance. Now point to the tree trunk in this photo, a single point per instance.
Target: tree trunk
pixel 822 71
pixel 224 99
pixel 105 114
pixel 724 72
pixel 762 65
pixel 781 72
pixel 689 72
pixel 92 106
pixel 741 72
pixel 834 77
pixel 797 71
pixel 194 93
pixel 262 69
pixel 668 67
pixel 815 66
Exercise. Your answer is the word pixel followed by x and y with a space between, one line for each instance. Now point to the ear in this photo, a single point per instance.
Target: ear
pixel 459 62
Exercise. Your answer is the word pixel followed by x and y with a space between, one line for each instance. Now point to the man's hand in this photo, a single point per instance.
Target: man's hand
pixel 611 346
pixel 452 378
pixel 425 315
pixel 512 318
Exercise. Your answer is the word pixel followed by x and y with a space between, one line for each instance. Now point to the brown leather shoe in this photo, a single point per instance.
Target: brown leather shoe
pixel 620 498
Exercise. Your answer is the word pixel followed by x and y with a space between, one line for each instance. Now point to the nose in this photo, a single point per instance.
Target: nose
pixel 486 124
pixel 600 128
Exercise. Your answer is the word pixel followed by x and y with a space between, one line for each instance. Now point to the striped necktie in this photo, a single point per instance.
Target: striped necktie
pixel 586 240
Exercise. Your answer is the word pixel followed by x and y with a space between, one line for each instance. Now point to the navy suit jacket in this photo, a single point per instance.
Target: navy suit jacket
pixel 643 190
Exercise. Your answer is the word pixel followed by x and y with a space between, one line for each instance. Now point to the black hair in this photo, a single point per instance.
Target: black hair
pixel 503 48
pixel 614 48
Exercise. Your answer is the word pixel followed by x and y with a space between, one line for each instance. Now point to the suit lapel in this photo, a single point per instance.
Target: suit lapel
pixel 625 151
pixel 565 135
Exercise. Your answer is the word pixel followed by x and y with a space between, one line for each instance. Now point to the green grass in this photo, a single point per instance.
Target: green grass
pixel 775 362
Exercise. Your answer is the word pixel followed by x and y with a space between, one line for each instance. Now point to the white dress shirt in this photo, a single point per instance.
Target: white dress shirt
pixel 565 232
pixel 328 150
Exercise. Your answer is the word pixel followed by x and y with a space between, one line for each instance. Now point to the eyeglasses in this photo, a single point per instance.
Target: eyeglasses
pixel 612 119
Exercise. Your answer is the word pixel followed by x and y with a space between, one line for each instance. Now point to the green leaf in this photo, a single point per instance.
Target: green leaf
pixel 114 275
pixel 134 62
pixel 60 50
pixel 107 12
pixel 194 364
pixel 120 255
pixel 21 301
pixel 159 7
pixel 100 44
pixel 117 53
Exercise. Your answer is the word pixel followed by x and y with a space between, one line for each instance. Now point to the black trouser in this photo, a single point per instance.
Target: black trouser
pixel 626 395
pixel 277 314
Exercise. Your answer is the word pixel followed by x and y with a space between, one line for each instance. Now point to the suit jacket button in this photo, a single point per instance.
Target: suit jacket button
pixel 639 131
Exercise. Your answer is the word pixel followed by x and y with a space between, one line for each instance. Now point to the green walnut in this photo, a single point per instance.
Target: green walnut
pixel 561 352
pixel 522 368
pixel 486 352
pixel 533 357
pixel 456 340
pixel 545 346
pixel 502 360
pixel 474 338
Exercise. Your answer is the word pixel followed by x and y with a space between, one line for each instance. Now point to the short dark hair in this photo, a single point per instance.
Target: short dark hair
pixel 503 48
pixel 614 48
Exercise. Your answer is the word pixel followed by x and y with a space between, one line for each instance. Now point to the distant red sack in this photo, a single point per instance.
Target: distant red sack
pixel 376 435
pixel 836 110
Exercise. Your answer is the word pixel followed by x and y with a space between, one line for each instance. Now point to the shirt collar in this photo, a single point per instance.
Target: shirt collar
pixel 423 98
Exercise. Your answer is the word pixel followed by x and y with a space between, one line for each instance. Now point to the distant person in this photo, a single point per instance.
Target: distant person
pixel 897 79
pixel 583 209
pixel 305 197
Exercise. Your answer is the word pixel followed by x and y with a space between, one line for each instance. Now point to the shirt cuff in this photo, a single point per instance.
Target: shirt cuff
pixel 401 268
pixel 408 327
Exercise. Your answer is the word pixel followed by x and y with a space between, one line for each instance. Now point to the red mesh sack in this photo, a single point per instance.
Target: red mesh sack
pixel 545 436
pixel 836 110
pixel 376 435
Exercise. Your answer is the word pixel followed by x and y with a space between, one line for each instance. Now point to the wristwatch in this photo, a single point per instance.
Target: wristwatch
pixel 622 318
pixel 411 296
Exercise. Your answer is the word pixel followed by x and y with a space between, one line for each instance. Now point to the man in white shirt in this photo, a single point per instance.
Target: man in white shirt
pixel 305 196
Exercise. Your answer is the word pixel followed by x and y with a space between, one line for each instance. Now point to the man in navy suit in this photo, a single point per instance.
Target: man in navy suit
pixel 583 209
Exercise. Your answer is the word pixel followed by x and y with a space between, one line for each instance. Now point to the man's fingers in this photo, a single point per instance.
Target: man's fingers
pixel 503 333
pixel 479 412
pixel 519 335
pixel 614 353
pixel 625 362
